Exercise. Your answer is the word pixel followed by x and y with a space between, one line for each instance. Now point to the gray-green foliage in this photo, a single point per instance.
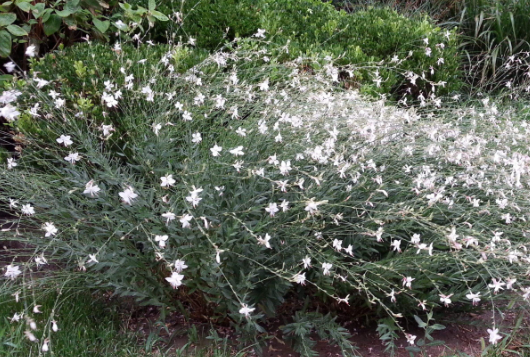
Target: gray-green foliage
pixel 316 192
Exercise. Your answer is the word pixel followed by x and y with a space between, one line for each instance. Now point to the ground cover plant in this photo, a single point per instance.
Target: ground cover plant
pixel 246 180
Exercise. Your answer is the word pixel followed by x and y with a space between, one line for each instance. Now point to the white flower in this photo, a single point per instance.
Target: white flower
pixel 9 112
pixel 73 157
pixel 92 259
pixel 496 285
pixel 10 67
pixel 216 150
pixel 28 210
pixel 284 205
pixel 312 206
pixel 50 229
pixel 65 140
pixel 299 278
pixel 55 328
pixel 238 151
pixel 415 238
pixel 12 271
pixel 285 167
pixel 161 240
pixel 169 216
pixel 128 195
pixel 175 280
pixel 396 244
pixel 91 189
pixel 11 163
pixel 494 336
pixel 265 241
pixel 241 131
pixel 446 299
pixel 337 245
pixel 31 51
pixel 272 209
pixel 474 297
pixel 107 129
pixel 180 265
pixel 264 86
pixel 407 281
pixel 245 310
pixel 186 116
pixel 30 336
pixel 410 338
pixel 185 220
pixel 41 260
pixel 260 33
pixel 307 262
pixel 156 128
pixel 167 181
pixel 196 138
pixel 326 267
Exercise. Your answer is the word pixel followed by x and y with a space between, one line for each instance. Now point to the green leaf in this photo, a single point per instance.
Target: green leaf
pixel 63 13
pixel 16 30
pixel 52 25
pixel 7 3
pixel 159 16
pixel 24 6
pixel 5 43
pixel 152 5
pixel 102 26
pixel 125 6
pixel 72 6
pixel 46 14
pixel 7 19
pixel 38 10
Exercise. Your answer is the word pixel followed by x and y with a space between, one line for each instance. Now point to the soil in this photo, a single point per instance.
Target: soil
pixel 464 335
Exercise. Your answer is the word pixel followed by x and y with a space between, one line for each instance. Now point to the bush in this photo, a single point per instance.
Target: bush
pixel 235 187
pixel 311 27
pixel 46 24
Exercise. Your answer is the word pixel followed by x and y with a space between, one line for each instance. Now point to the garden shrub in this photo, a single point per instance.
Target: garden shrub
pixel 234 187
pixel 82 72
pixel 43 25
pixel 311 27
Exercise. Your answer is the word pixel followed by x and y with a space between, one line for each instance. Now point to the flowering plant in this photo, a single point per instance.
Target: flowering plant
pixel 241 181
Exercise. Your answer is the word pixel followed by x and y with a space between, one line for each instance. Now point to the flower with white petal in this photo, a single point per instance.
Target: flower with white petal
pixel 196 138
pixel 307 262
pixel 167 181
pixel 50 229
pixel 73 158
pixel 185 220
pixel 9 112
pixel 265 241
pixel 326 267
pixel 245 310
pixel 11 163
pixel 31 51
pixel 238 151
pixel 216 150
pixel 169 216
pixel 175 280
pixel 494 336
pixel 91 189
pixel 28 210
pixel 299 278
pixel 272 209
pixel 65 140
pixel 161 240
pixel 12 271
pixel 474 297
pixel 10 67
pixel 180 265
pixel 128 195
